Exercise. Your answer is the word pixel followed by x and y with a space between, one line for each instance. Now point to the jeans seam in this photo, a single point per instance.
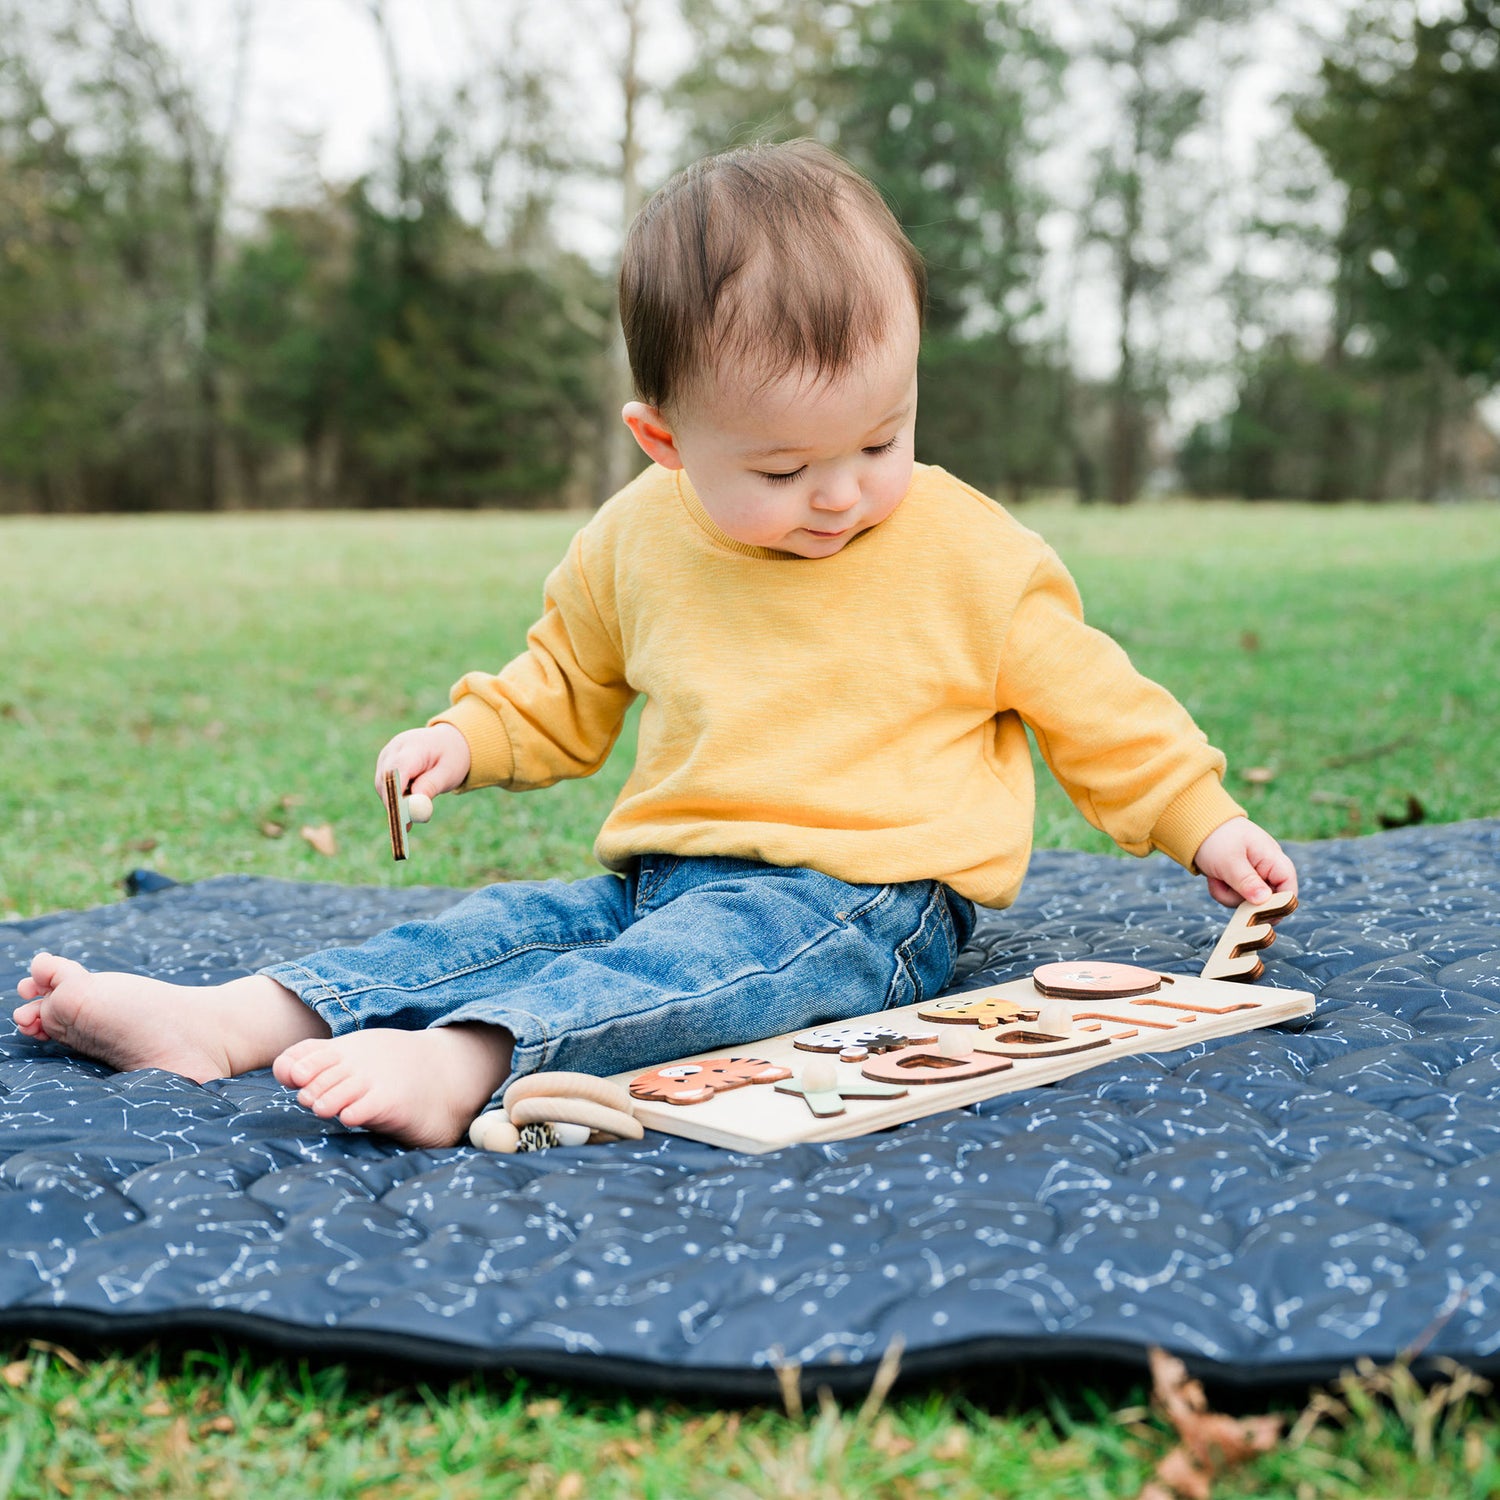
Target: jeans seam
pixel 881 896
pixel 646 890
pixel 323 993
pixel 909 950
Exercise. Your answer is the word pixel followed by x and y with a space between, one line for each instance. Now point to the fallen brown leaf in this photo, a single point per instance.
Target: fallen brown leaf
pixel 1258 775
pixel 272 830
pixel 157 1408
pixel 1209 1441
pixel 570 1486
pixel 71 1360
pixel 16 1374
pixel 221 1423
pixel 320 836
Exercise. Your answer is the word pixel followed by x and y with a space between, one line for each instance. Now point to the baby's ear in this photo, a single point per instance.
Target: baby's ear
pixel 650 430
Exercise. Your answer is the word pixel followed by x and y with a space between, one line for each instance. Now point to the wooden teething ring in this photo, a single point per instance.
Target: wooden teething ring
pixel 544 1109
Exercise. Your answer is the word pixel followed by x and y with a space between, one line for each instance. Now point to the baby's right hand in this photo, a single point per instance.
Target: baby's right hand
pixel 432 761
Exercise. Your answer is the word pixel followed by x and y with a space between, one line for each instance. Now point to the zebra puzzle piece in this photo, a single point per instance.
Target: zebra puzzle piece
pixel 856 1043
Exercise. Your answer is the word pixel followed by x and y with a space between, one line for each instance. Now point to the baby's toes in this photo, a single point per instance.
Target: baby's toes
pixel 301 1063
pixel 28 1019
pixel 336 1097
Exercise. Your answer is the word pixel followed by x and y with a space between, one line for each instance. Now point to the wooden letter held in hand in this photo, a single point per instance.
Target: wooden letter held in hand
pixel 1237 955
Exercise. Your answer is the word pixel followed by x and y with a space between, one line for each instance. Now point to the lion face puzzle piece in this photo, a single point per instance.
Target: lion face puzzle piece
pixel 1087 979
pixel 984 1012
pixel 856 1043
pixel 692 1083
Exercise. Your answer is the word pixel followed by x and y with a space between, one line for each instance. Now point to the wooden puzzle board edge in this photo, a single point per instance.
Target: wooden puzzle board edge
pixel 756 1118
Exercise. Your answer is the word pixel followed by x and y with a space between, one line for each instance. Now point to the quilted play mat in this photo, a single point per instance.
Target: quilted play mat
pixel 1269 1206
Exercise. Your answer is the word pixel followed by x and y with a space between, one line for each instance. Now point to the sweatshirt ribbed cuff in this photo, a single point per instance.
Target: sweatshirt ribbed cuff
pixel 492 761
pixel 1191 817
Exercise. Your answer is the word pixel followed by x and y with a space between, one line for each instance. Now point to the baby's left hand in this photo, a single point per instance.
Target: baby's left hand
pixel 1244 863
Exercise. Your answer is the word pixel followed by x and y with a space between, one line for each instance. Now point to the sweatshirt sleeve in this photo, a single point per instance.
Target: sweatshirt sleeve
pixel 556 710
pixel 1126 752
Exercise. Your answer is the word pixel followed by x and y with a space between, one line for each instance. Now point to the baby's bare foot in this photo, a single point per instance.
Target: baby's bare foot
pixel 129 1021
pixel 422 1087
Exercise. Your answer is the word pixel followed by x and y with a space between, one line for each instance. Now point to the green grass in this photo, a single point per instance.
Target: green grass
pixel 175 690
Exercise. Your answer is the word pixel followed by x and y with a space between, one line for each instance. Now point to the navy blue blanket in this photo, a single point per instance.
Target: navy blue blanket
pixel 1269 1206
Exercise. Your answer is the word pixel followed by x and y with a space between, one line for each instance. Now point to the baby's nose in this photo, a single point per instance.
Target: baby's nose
pixel 839 493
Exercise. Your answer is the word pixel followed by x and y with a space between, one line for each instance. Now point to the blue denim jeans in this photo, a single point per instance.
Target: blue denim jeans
pixel 683 955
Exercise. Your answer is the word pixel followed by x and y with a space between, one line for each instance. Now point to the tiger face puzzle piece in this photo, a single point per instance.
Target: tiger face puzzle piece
pixel 1088 979
pixel 856 1043
pixel 695 1082
pixel 1236 955
pixel 983 1011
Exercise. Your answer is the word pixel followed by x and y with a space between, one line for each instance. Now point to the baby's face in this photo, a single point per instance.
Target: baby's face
pixel 805 467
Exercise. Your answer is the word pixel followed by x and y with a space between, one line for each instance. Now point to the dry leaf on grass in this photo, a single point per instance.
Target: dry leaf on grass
pixel 1210 1441
pixel 320 836
pixel 16 1374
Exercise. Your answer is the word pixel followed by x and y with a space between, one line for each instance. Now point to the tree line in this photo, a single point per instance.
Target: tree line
pixel 425 335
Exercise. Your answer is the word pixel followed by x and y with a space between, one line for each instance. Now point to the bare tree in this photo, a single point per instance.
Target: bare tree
pixel 142 66
pixel 1142 209
pixel 619 447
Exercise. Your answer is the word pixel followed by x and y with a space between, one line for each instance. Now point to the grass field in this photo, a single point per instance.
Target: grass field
pixel 189 694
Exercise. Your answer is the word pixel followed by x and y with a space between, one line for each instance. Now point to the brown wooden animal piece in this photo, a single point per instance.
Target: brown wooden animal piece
pixel 692 1083
pixel 987 1011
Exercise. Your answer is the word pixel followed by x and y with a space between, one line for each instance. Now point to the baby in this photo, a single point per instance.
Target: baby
pixel 840 651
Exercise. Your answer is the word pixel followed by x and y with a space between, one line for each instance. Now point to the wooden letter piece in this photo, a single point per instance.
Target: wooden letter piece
pixel 856 1043
pixel 1084 979
pixel 1022 1044
pixel 922 1065
pixel 824 1092
pixel 401 811
pixel 692 1083
pixel 1236 955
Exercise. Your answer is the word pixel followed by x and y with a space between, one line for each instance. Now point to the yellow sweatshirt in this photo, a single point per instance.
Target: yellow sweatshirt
pixel 862 714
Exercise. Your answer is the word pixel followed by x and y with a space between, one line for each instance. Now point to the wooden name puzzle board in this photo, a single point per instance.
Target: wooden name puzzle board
pixel 849 1079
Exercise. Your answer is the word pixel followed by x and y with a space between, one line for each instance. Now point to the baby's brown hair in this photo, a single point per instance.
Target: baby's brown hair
pixel 777 257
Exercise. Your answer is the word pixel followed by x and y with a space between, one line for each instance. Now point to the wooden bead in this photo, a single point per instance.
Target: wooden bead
pixel 493 1131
